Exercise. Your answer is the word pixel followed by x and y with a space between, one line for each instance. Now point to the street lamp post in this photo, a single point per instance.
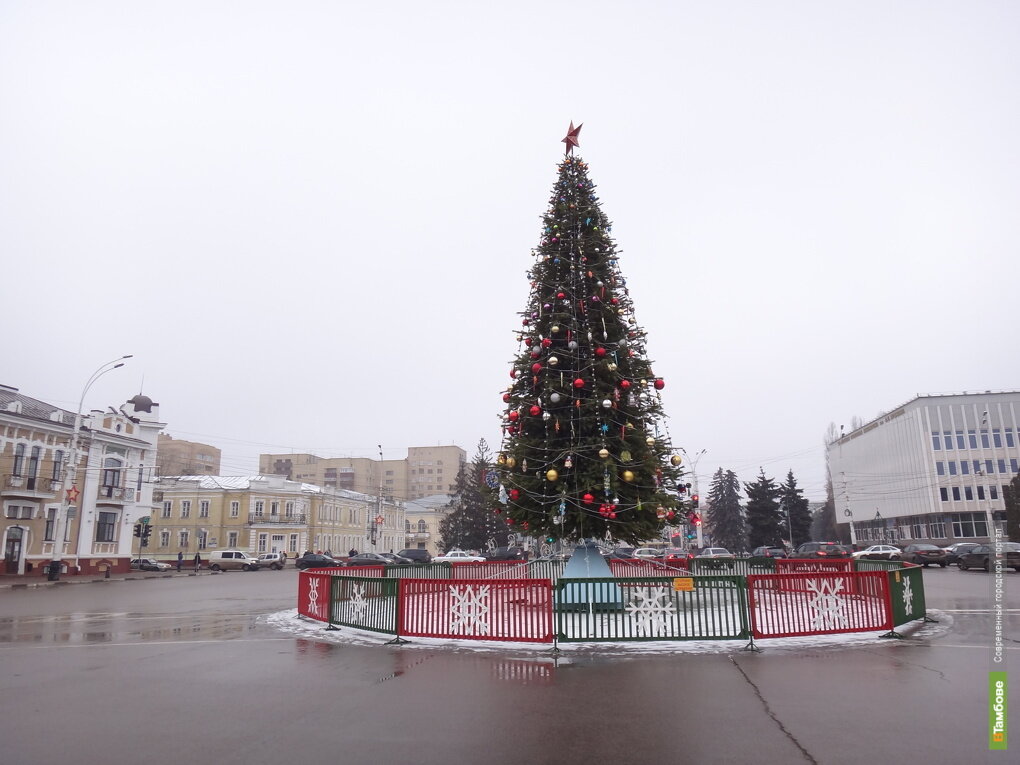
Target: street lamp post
pixel 70 491
pixel 881 524
pixel 694 472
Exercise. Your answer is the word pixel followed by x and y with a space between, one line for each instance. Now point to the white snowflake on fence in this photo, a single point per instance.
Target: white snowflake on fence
pixel 649 607
pixel 908 596
pixel 469 611
pixel 314 606
pixel 357 602
pixel 827 604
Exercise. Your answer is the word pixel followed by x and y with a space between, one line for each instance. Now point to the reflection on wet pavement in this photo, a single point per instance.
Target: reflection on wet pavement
pixel 93 629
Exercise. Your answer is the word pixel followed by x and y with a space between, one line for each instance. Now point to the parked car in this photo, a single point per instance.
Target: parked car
pixel 315 560
pixel 508 553
pixel 954 551
pixel 274 561
pixel 923 554
pixel 714 552
pixel 621 553
pixel 458 556
pixel 149 564
pixel 416 555
pixel 823 550
pixel 673 555
pixel 397 560
pixel 369 559
pixel 768 552
pixel 648 553
pixel 232 560
pixel 982 555
pixel 879 552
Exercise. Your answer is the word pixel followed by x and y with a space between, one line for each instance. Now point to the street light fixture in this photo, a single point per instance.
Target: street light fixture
pixel 71 470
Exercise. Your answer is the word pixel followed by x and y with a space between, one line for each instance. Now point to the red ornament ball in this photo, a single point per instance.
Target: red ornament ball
pixel 528 341
pixel 506 398
pixel 514 416
pixel 536 368
pixel 514 494
pixel 546 342
pixel 600 352
pixel 513 373
pixel 588 499
pixel 535 410
pixel 579 383
pixel 625 384
pixel 659 384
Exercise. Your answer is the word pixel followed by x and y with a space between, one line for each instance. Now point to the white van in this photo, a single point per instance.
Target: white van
pixel 232 560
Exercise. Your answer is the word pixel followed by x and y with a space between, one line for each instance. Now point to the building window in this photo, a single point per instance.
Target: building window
pixel 185 508
pixel 293 543
pixel 58 465
pixel 968 493
pixel 1009 438
pixel 956 493
pixel 960 442
pixel 203 509
pixel 1013 466
pixel 288 509
pixel 964 467
pixel 977 467
pixel 183 537
pixel 231 539
pixel 984 439
pixel 944 493
pixel 167 507
pixel 421 526
pixel 203 535
pixel 164 539
pixel 274 509
pixel 936 442
pixel 972 438
pixel 952 467
pixel 111 473
pixel 917 529
pixel 969 525
pixel 993 492
pixel 19 459
pixel 989 468
pixel 940 468
pixel 936 527
pixel 51 523
pixel 981 492
pixel 262 543
pixel 997 438
pixel 407 527
pixel 260 508
pixel 106 527
pixel 235 509
pixel 1002 466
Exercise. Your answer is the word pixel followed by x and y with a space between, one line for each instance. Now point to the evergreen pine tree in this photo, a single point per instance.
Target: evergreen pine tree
pixel 794 511
pixel 763 521
pixel 725 521
pixel 585 452
pixel 470 523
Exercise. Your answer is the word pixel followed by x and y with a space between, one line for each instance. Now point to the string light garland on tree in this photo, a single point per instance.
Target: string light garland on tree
pixel 585 449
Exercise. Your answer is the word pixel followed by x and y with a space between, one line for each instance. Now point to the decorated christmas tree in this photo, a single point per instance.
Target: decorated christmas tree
pixel 585 451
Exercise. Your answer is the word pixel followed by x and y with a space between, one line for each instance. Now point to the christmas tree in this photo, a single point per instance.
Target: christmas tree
pixel 585 452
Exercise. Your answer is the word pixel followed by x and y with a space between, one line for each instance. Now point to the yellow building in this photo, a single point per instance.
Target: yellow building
pixel 267 513
pixel 177 457
pixel 426 471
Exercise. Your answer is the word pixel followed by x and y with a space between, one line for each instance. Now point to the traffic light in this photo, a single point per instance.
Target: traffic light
pixel 138 529
pixel 146 533
pixel 694 501
pixel 696 520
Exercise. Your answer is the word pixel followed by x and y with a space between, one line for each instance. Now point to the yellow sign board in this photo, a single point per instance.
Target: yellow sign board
pixel 685 584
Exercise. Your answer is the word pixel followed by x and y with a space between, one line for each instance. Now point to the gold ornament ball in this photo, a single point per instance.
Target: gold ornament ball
pixel 510 462
pixel 604 453
pixel 675 460
pixel 611 367
pixel 627 476
pixel 650 441
pixel 551 475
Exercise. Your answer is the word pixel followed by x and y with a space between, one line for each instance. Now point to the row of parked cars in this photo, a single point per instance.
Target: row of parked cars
pixel 966 555
pixel 408 557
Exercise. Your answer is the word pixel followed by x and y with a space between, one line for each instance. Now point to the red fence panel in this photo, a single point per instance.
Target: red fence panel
pixel 793 604
pixel 632 567
pixel 314 593
pixel 478 609
pixel 503 569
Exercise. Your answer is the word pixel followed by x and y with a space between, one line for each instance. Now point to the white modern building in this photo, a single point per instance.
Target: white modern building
pixel 932 469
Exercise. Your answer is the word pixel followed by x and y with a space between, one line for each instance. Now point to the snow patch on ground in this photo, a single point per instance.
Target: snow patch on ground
pixel 290 621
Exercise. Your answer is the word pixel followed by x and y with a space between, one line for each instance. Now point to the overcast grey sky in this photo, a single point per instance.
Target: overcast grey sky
pixel 311 222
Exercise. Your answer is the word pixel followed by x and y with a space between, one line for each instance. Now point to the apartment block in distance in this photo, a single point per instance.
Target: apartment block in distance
pixel 931 470
pixel 176 457
pixel 426 471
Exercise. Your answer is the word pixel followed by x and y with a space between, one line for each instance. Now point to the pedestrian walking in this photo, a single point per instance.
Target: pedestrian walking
pixel 283 559
pixel 180 560
pixel 353 551
pixel 198 561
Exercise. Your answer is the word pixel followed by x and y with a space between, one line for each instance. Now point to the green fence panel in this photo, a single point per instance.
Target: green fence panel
pixel 877 565
pixel 906 594
pixel 419 571
pixel 732 566
pixel 365 602
pixel 706 607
